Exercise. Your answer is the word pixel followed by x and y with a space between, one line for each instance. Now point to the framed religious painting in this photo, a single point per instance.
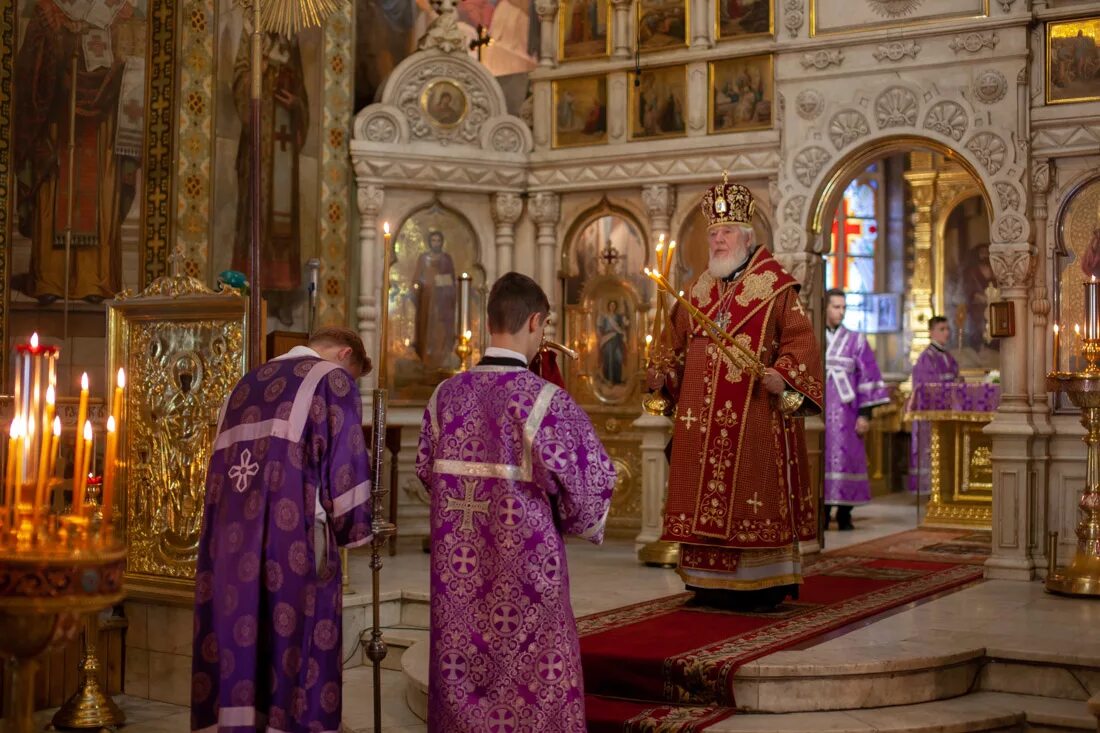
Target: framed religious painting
pixel 434 247
pixel 1073 61
pixel 1078 261
pixel 657 103
pixel 444 103
pixel 611 333
pixel 662 24
pixel 740 19
pixel 580 111
pixel 584 29
pixel 76 228
pixel 741 94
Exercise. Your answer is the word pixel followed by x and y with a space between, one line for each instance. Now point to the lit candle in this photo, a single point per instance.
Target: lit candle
pixel 648 344
pixel 464 302
pixel 109 469
pixel 81 479
pixel 10 479
pixel 668 258
pixel 44 453
pixel 120 386
pixel 81 415
pixel 1055 355
pixel 1092 309
pixel 55 443
pixel 661 254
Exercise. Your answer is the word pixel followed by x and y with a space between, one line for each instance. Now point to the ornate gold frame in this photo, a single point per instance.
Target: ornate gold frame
pixel 674 47
pixel 175 324
pixel 555 91
pixel 711 129
pixel 1047 97
pixel 953 454
pixel 763 34
pixel 632 105
pixel 427 93
pixel 562 13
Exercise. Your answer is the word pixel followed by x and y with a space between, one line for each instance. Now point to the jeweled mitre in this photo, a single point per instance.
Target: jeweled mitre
pixel 728 203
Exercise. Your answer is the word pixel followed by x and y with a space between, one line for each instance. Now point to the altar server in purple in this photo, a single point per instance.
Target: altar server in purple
pixel 288 484
pixel 935 364
pixel 512 465
pixel 853 385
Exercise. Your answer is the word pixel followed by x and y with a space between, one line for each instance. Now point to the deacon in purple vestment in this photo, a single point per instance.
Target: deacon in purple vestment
pixel 288 483
pixel 853 385
pixel 512 465
pixel 934 364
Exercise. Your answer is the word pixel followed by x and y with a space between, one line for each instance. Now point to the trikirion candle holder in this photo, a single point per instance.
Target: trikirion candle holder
pixel 58 566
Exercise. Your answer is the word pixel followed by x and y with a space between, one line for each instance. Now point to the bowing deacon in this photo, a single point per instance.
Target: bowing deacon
pixel 288 482
pixel 853 385
pixel 934 365
pixel 739 495
pixel 512 465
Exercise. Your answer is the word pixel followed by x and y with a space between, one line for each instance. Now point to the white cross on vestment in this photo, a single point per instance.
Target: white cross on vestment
pixel 688 418
pixel 467 505
pixel 754 502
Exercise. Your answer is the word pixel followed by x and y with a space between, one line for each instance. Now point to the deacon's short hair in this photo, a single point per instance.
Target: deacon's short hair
pixel 834 293
pixel 514 299
pixel 341 337
pixel 935 321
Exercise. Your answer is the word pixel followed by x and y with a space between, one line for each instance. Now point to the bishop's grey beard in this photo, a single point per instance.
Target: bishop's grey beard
pixel 722 266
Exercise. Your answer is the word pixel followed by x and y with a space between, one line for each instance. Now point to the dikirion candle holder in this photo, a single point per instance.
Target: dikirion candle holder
pixel 56 567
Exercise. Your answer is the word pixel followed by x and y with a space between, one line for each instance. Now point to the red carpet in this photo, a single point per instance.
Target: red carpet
pixel 966 546
pixel 663 651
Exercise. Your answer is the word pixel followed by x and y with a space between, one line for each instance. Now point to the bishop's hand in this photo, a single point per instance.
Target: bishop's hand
pixel 773 382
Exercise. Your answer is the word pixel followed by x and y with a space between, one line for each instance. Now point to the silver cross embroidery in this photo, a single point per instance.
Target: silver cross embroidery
pixel 244 471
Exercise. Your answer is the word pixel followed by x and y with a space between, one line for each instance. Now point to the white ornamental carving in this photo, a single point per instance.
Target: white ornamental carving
pixel 809 104
pixel 948 119
pixel 990 86
pixel 894 8
pixel 545 207
pixel 896 50
pixel 792 210
pixel 1011 268
pixel 896 107
pixel 973 42
pixel 822 59
pixel 1040 176
pixel 808 163
pixel 477 102
pixel 507 207
pixel 1006 5
pixel 369 197
pixel 1007 196
pixel 793 16
pixel 989 149
pixel 846 127
pixel 444 33
pixel 659 200
pixel 1010 228
pixel 790 239
pixel 506 140
pixel 382 129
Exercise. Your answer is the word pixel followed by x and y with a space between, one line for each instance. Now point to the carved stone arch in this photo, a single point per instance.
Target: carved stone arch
pixel 605 207
pixel 1066 195
pixel 413 208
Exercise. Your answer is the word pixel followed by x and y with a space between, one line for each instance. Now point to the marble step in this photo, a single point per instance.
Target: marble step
pixel 398 639
pixel 980 711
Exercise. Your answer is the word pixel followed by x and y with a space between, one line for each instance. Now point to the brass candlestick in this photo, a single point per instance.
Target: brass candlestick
pixel 463 349
pixel 1082 576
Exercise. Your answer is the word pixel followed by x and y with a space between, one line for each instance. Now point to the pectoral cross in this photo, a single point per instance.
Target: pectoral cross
pixel 483 39
pixel 754 502
pixel 283 136
pixel 723 320
pixel 467 505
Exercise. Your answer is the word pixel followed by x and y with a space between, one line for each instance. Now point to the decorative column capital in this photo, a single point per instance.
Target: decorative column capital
pixel 1012 265
pixel 1041 181
pixel 507 207
pixel 659 200
pixel 545 207
pixel 546 10
pixel 369 198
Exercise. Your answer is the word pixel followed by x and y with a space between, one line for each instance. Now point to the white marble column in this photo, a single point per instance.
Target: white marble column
pixel 621 26
pixel 702 21
pixel 1040 359
pixel 548 40
pixel 545 208
pixel 369 198
pixel 1011 428
pixel 507 207
pixel 655 431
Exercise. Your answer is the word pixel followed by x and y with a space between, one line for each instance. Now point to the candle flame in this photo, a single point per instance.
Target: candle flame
pixel 661 245
pixel 465 276
pixel 121 380
pixel 660 240
pixel 84 382
pixel 646 271
pixel 386 227
pixel 681 293
pixel 1056 329
pixel 110 423
pixel 648 339
pixel 87 430
pixel 34 337
pixel 16 429
pixel 57 427
pixel 469 335
pixel 50 397
pixel 1077 328
pixel 672 245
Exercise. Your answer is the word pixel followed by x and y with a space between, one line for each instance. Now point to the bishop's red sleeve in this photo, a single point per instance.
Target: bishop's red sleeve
pixel 798 359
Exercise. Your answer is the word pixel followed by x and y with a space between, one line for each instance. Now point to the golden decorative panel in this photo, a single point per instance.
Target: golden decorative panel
pixel 1078 261
pixel 962 472
pixel 185 346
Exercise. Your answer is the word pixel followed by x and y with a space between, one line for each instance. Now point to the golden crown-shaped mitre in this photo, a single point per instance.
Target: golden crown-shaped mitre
pixel 728 203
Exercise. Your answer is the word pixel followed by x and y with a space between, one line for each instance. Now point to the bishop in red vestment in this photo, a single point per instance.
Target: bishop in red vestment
pixel 739 495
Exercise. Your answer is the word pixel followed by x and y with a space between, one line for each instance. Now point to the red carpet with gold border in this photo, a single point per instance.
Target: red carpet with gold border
pixel 668 665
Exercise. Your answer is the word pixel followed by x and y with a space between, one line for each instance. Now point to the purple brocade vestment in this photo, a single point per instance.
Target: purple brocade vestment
pixel 288 483
pixel 934 365
pixel 852 383
pixel 512 465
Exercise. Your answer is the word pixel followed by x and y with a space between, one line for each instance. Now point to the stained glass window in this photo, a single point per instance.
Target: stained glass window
pixel 850 265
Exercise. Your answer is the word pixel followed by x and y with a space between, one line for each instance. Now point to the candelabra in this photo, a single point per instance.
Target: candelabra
pixel 1082 576
pixel 55 566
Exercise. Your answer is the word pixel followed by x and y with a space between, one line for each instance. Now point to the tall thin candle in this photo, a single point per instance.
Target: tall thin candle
pixel 55 443
pixel 10 478
pixel 44 453
pixel 1092 309
pixel 109 469
pixel 1056 351
pixel 81 416
pixel 464 303
pixel 82 478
